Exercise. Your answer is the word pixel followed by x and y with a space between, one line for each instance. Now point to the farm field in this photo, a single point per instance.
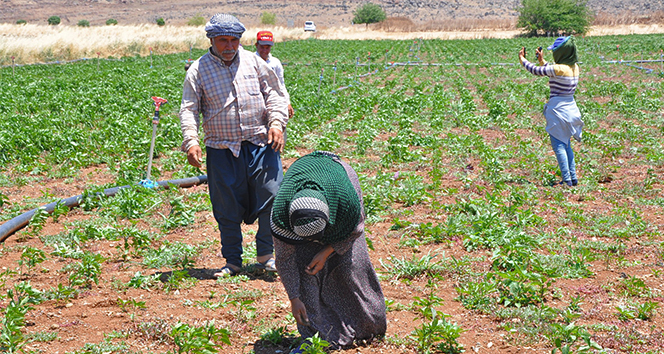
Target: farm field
pixel 474 248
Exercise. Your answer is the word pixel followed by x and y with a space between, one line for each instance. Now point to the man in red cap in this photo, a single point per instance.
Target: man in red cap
pixel 264 43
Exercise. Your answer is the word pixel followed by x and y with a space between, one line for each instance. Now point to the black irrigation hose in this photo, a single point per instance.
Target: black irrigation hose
pixel 17 223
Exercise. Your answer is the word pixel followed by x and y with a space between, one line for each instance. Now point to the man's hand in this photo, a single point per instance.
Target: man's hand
pixel 291 111
pixel 195 156
pixel 299 312
pixel 522 54
pixel 276 137
pixel 319 260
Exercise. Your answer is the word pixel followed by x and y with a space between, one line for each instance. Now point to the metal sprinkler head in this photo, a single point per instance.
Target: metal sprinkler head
pixel 158 101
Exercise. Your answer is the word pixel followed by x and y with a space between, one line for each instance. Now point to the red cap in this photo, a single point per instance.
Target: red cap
pixel 265 38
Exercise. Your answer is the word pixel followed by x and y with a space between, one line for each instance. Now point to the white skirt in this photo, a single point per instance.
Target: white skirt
pixel 563 118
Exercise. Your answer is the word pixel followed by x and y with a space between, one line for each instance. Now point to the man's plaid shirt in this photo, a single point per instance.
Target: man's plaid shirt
pixel 238 102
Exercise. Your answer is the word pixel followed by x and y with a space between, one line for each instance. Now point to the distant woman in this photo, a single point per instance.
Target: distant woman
pixel 321 252
pixel 563 119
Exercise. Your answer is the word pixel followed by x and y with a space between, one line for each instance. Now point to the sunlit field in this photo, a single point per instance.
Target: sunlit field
pixel 475 249
pixel 41 43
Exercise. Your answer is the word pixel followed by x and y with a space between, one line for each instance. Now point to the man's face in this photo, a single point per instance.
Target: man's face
pixel 226 46
pixel 263 50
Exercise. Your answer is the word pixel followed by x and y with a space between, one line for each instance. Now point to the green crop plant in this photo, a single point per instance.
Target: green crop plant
pixel 205 339
pixel 21 298
pixel 139 281
pixel 91 199
pixel 70 244
pixel 178 279
pixel 43 336
pixel 522 287
pixel 87 271
pixel 426 306
pixel 392 305
pixel 180 214
pixel 410 190
pixel 211 305
pixel 4 200
pixel 402 268
pixel 30 257
pixel 104 347
pixel 252 294
pixel 314 345
pixel 437 334
pixel 634 287
pixel 244 310
pixel 478 295
pixel 59 210
pixel 132 203
pixel 135 242
pixel 131 306
pixel 276 335
pixel 37 221
pixel 178 254
pixel 61 294
pixel 565 339
pixel 238 279
pixel 645 311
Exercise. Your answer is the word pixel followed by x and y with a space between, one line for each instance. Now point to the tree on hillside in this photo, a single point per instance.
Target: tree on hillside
pixel 54 20
pixel 368 13
pixel 555 16
pixel 268 18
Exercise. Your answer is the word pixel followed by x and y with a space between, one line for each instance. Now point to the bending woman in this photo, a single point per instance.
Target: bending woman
pixel 563 119
pixel 321 252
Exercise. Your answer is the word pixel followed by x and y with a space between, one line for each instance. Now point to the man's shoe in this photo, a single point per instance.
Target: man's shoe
pixel 226 271
pixel 269 265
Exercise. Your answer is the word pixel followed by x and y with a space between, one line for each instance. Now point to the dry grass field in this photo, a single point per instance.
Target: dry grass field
pixel 32 43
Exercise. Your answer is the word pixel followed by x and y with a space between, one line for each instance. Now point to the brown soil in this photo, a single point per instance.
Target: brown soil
pixel 95 313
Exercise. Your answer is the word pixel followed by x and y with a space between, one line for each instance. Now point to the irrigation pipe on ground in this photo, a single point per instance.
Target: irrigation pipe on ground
pixel 17 223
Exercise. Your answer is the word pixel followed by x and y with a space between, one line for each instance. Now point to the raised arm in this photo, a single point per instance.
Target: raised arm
pixel 546 70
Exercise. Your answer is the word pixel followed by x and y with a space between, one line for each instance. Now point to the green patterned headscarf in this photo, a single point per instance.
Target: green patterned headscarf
pixel 316 202
pixel 565 53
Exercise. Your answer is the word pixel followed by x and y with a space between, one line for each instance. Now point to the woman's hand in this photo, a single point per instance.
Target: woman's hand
pixel 299 312
pixel 522 54
pixel 319 260
pixel 540 56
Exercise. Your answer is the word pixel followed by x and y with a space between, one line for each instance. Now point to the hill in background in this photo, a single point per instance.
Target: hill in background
pixel 326 13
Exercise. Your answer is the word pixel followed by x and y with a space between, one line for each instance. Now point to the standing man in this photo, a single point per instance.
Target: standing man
pixel 244 113
pixel 264 43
